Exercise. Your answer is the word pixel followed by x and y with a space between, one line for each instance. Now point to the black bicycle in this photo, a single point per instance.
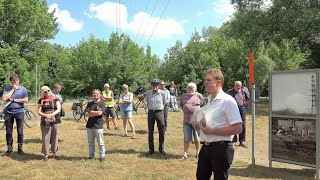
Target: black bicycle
pixel 142 102
pixel 30 118
pixel 78 109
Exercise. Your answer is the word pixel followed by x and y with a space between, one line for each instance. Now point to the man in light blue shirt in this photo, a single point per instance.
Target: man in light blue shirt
pixel 156 99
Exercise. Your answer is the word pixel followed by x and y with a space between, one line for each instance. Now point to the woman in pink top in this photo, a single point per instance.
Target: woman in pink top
pixel 190 102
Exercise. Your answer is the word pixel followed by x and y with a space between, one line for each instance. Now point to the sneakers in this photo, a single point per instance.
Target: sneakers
pixel 162 152
pixel 9 153
pixel 102 159
pixel 90 158
pixel 183 158
pixel 243 144
pixel 149 153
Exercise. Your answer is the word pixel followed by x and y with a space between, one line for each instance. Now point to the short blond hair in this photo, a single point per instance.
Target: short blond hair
pixel 216 74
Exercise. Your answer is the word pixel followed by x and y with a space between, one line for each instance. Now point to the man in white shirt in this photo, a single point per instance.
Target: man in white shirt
pixel 222 122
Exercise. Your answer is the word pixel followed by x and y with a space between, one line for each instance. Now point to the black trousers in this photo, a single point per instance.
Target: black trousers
pixel 242 136
pixel 215 158
pixel 155 116
pixel 9 119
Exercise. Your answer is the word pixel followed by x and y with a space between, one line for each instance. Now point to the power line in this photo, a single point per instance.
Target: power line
pixel 147 24
pixel 142 22
pixel 117 16
pixel 158 21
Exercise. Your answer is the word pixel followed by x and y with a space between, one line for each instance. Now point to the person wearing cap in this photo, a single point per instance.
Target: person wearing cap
pixel 16 96
pixel 108 98
pixel 49 106
pixel 156 99
pixel 126 108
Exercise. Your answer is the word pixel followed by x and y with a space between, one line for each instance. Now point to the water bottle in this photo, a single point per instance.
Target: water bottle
pixel 47 125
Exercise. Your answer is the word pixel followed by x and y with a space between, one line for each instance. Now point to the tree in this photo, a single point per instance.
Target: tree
pixel 25 22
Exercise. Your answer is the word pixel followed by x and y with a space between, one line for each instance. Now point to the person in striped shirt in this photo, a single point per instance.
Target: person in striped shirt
pixel 190 102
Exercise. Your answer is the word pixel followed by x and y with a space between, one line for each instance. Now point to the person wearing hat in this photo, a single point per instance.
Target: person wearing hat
pixel 49 108
pixel 156 99
pixel 15 95
pixel 108 98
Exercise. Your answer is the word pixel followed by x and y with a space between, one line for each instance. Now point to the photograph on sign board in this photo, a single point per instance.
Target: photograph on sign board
pixel 294 139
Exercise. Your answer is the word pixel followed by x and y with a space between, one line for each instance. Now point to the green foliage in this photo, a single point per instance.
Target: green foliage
pixel 294 20
pixel 25 22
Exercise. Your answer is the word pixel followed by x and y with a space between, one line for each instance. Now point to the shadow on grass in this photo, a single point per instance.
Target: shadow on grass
pixel 142 154
pixel 30 157
pixel 27 141
pixel 264 172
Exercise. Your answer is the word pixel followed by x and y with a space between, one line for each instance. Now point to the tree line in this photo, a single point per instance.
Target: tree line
pixel 283 36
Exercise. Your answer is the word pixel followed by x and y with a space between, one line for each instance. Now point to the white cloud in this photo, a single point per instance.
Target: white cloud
pixel 65 20
pixel 115 15
pixel 223 9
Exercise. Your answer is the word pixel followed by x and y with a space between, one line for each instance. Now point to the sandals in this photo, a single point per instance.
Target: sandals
pixel 184 158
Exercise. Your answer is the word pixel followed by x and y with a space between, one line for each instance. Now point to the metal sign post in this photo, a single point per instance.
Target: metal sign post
pixel 253 122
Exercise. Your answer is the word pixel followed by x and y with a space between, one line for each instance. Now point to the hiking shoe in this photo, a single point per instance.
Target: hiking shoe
pixel 9 153
pixel 243 144
pixel 149 153
pixel 162 152
pixel 20 152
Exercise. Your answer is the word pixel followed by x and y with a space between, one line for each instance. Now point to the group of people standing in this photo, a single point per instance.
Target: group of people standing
pixel 224 117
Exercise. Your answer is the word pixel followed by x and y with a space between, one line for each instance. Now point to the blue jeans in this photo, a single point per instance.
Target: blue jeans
pixel 92 134
pixel 9 119
pixel 242 136
pixel 188 130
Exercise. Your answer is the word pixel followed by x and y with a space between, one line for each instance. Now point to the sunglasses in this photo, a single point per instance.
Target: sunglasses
pixel 46 91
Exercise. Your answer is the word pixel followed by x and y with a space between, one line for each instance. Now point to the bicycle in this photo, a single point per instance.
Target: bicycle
pixel 137 104
pixel 30 119
pixel 78 109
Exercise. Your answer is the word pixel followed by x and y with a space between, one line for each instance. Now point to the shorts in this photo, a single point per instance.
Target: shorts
pixel 188 130
pixel 126 114
pixel 110 111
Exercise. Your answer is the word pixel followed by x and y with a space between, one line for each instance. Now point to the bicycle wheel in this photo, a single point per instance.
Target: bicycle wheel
pixel 145 107
pixel 85 117
pixel 30 119
pixel 77 113
pixel 135 106
pixel 117 110
pixel 2 124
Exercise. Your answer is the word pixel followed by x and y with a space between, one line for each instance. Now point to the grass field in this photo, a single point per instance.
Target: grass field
pixel 125 156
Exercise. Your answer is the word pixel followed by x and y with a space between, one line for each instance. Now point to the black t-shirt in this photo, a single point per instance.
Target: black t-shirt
pixel 48 105
pixel 95 122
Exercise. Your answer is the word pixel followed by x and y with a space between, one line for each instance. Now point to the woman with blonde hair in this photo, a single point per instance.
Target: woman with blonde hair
pixel 49 110
pixel 125 102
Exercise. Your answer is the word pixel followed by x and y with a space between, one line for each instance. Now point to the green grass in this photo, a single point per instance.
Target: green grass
pixel 125 156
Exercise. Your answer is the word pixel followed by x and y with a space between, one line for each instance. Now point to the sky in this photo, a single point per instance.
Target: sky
pixel 159 23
